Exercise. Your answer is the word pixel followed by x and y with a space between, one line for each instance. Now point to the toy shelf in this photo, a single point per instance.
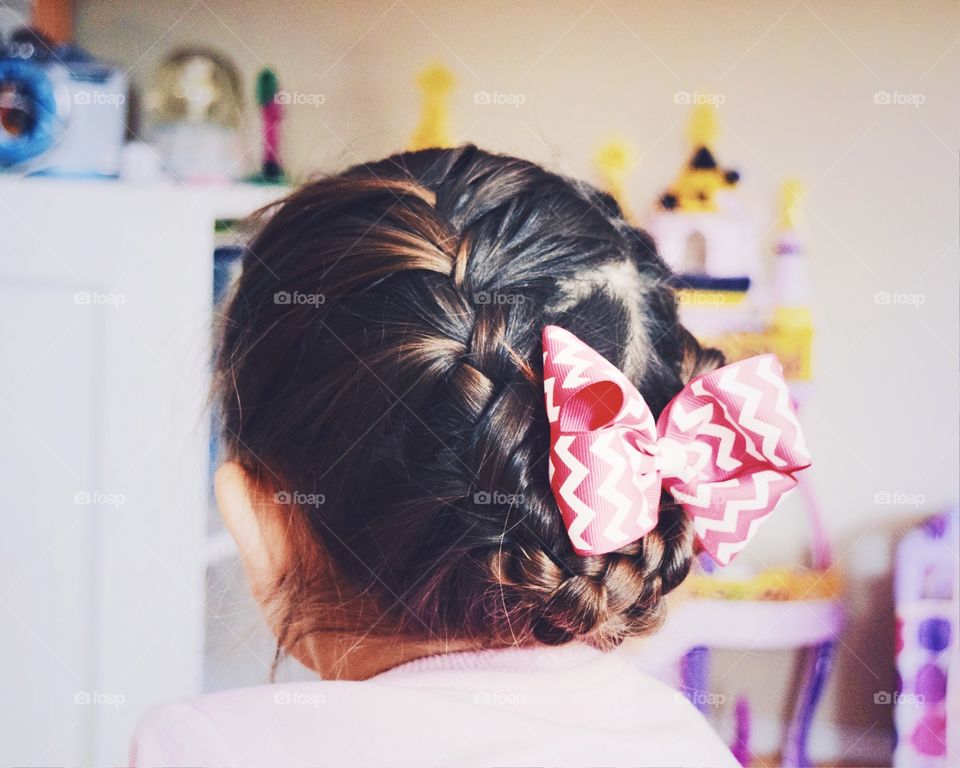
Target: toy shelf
pixel 756 625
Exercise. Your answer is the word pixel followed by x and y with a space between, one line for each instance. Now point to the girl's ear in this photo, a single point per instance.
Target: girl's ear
pixel 255 526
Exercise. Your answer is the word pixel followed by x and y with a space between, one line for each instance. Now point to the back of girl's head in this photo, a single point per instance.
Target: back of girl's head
pixel 381 364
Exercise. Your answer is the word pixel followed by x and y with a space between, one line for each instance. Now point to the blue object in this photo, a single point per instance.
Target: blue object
pixel 33 90
pixel 62 112
pixel 224 259
pixel 708 283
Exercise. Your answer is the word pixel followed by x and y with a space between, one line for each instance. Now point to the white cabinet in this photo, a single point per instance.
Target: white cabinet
pixel 112 584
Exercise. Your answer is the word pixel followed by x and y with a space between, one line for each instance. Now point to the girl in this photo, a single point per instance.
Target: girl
pixel 390 453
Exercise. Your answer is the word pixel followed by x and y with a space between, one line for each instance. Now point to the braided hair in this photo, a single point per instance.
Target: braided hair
pixel 381 364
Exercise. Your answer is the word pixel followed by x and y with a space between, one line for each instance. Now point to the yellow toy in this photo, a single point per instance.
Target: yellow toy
pixel 695 189
pixel 436 83
pixel 777 584
pixel 790 195
pixel 614 161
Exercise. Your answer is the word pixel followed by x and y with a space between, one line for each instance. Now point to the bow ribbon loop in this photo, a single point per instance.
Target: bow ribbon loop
pixel 725 448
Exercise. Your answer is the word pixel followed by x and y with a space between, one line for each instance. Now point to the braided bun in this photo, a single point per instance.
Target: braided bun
pixel 411 398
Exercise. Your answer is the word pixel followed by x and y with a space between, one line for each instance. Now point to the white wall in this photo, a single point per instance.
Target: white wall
pixel 799 80
pixel 13 14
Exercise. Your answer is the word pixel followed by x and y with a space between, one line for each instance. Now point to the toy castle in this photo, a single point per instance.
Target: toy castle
pixel 710 240
pixel 700 225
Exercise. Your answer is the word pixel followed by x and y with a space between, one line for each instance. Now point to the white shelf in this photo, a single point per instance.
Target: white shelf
pixel 106 398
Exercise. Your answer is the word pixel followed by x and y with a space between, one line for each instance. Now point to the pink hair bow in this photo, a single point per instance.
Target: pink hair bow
pixel 725 448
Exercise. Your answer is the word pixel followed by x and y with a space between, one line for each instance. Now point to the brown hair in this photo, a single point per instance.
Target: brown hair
pixel 381 365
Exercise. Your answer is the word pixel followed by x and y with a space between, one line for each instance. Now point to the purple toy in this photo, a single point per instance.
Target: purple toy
pixel 926 593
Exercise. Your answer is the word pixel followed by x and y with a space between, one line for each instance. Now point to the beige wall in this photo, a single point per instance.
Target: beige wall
pixel 798 79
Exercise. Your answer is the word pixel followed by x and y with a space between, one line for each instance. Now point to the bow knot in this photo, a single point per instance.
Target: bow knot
pixel 725 448
pixel 670 458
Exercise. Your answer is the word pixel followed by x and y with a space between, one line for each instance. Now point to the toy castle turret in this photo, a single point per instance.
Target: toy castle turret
pixel 792 322
pixel 436 84
pixel 701 228
pixel 613 161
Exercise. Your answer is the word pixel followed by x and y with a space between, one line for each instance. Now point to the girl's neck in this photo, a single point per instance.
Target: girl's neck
pixel 360 658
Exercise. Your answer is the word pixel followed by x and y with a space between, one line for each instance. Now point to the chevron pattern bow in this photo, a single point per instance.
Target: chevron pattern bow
pixel 725 448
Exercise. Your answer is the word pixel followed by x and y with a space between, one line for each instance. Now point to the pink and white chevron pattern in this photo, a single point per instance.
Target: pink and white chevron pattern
pixel 725 448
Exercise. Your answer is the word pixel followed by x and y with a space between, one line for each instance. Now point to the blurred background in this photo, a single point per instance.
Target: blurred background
pixel 129 160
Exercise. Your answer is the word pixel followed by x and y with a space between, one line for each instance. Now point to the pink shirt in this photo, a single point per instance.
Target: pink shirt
pixel 521 707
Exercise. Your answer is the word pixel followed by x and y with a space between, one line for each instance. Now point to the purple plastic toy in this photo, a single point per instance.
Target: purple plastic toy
pixel 926 593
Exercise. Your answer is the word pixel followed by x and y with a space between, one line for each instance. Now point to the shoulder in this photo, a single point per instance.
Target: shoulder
pixel 238 727
pixel 177 734
pixel 623 715
pixel 669 725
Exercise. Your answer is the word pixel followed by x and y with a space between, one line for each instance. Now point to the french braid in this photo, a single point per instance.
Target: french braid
pixel 409 395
